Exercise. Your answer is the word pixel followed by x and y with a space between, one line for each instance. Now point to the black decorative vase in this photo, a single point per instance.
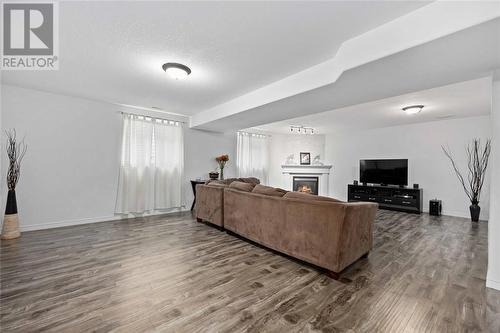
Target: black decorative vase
pixel 213 175
pixel 10 228
pixel 11 205
pixel 475 210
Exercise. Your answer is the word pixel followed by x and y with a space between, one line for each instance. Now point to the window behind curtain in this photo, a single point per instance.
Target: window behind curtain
pixel 151 165
pixel 252 158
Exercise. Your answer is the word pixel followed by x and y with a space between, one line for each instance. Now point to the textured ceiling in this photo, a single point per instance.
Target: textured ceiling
pixel 113 51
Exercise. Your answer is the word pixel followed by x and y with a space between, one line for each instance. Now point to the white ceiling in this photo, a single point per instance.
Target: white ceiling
pixel 465 99
pixel 461 56
pixel 113 51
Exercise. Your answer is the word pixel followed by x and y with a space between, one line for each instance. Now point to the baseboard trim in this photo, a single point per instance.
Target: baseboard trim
pixel 68 223
pixel 464 215
pixel 493 284
pixel 453 213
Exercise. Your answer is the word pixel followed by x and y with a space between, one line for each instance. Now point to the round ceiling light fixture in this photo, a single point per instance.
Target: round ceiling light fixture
pixel 176 71
pixel 413 109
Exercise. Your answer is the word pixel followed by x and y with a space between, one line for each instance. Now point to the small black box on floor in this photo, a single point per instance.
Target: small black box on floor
pixel 435 207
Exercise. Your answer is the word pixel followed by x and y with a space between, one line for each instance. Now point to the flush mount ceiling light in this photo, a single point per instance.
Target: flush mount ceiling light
pixel 301 129
pixel 413 109
pixel 176 71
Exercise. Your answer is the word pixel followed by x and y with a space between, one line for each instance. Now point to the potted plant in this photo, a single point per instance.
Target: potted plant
pixel 15 153
pixel 477 163
pixel 222 160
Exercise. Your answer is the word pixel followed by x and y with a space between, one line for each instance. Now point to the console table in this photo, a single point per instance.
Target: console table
pixel 388 197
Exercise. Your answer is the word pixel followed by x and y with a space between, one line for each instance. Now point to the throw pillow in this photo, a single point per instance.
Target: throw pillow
pixel 268 190
pixel 251 180
pixel 217 183
pixel 240 186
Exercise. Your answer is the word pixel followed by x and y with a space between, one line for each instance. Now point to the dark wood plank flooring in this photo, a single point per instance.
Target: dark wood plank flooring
pixel 172 274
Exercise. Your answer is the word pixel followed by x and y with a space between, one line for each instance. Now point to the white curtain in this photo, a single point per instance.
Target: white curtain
pixel 151 165
pixel 169 165
pixel 252 156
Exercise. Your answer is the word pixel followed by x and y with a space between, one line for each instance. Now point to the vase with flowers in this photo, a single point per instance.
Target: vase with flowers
pixel 222 160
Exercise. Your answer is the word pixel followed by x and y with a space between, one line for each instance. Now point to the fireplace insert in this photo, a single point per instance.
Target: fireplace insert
pixel 306 184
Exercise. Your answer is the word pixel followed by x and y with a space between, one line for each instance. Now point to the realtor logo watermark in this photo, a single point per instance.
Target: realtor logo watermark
pixel 30 36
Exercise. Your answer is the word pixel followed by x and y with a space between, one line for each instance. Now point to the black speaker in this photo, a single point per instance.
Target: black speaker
pixel 355 182
pixel 435 207
pixel 415 186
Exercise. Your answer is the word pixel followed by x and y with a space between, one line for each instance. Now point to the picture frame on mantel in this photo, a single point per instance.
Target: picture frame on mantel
pixel 305 158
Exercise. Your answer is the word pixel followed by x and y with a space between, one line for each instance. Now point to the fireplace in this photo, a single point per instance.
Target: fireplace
pixel 318 174
pixel 306 184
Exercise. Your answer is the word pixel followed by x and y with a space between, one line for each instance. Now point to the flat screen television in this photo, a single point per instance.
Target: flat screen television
pixel 385 172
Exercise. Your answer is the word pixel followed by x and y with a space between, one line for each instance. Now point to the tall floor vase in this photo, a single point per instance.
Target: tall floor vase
pixel 10 228
pixel 475 210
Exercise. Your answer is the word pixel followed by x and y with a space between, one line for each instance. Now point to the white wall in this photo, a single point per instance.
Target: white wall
pixel 421 145
pixel 283 145
pixel 70 172
pixel 200 149
pixel 493 277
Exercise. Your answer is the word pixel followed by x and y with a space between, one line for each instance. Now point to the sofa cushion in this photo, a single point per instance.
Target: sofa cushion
pixel 241 186
pixel 224 181
pixel 251 180
pixel 217 183
pixel 228 181
pixel 268 190
pixel 307 196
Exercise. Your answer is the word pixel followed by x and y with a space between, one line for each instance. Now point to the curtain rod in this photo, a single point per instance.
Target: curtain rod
pixel 152 117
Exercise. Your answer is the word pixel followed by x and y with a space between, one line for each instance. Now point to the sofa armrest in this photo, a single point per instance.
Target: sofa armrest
pixel 210 204
pixel 357 232
pixel 332 234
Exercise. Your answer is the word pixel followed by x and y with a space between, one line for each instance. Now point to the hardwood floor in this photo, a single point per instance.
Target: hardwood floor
pixel 172 274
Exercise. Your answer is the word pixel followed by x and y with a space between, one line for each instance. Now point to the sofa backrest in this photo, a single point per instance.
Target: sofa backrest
pixel 309 197
pixel 325 232
pixel 228 181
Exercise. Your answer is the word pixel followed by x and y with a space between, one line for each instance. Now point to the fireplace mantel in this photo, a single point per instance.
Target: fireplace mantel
pixel 305 169
pixel 321 171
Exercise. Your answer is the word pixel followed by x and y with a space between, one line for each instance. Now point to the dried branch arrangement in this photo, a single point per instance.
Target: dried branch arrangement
pixel 477 163
pixel 15 153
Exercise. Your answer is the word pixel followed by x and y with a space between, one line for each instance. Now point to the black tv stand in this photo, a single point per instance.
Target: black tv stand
pixel 388 197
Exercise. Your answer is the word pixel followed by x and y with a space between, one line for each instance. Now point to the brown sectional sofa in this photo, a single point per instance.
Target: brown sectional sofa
pixel 209 205
pixel 322 231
